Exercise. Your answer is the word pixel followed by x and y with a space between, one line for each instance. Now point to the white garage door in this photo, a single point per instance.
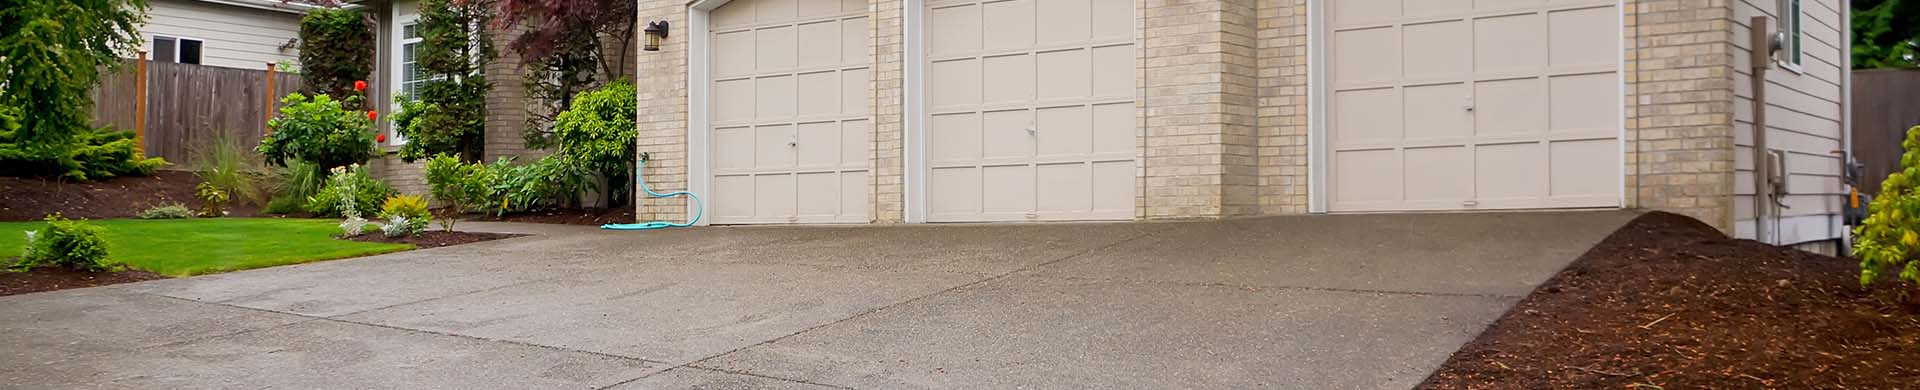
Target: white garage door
pixel 1031 110
pixel 790 112
pixel 1463 104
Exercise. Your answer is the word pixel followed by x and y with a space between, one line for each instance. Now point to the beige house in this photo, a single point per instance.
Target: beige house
pixel 246 34
pixel 891 111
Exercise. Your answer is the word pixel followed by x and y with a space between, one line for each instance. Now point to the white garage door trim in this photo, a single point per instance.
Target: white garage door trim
pixel 1318 96
pixel 700 158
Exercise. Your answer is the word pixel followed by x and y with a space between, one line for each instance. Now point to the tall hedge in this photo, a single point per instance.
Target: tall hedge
pixel 336 49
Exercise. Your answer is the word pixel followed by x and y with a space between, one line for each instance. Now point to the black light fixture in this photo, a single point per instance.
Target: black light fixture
pixel 655 31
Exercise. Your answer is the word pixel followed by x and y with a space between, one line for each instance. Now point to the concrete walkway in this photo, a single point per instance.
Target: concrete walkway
pixel 1314 302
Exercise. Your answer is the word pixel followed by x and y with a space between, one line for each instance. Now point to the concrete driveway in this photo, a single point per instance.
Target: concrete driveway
pixel 1314 302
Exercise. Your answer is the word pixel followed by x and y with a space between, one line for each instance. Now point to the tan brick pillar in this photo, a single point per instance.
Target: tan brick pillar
pixel 1199 109
pixel 1680 107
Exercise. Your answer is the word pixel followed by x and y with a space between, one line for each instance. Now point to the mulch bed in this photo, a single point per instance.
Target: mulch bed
pixel 588 217
pixel 60 278
pixel 29 199
pixel 435 238
pixel 1670 303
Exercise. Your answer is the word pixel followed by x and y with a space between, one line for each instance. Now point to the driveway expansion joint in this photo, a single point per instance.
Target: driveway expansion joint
pixel 1271 287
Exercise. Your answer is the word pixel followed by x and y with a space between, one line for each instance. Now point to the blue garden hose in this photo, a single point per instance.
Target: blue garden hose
pixel 699 208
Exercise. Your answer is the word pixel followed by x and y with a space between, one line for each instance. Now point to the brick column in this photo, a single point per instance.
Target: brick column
pixel 661 78
pixel 889 110
pixel 1198 110
pixel 1283 106
pixel 1679 146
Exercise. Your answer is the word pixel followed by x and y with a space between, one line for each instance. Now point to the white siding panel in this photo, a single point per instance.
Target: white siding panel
pixel 232 36
pixel 1803 115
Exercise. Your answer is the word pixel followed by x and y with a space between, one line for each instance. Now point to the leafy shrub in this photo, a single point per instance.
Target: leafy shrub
pixel 171 211
pixel 54 53
pixel 300 180
pixel 337 48
pixel 597 134
pixel 285 205
pixel 350 192
pixel 213 200
pixel 63 242
pixel 546 183
pixel 461 186
pixel 408 215
pixel 1890 237
pixel 318 130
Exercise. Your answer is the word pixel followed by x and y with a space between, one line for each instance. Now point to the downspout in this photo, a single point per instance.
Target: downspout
pixel 1760 49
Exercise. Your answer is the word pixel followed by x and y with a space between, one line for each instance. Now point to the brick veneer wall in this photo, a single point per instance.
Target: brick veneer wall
pixel 1680 105
pixel 1199 109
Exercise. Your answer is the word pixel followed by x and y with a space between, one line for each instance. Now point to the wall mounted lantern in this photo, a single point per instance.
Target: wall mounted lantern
pixel 655 31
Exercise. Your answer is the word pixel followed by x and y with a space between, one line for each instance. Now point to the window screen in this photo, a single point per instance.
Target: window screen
pixel 163 50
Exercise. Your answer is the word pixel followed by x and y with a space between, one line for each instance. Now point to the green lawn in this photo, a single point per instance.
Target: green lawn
pixel 186 247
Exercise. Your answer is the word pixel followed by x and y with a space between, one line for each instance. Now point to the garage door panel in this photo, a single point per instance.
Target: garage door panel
pixel 1438 50
pixel 1510 171
pixel 1510 107
pixel 1351 12
pixel 818 194
pixel 1584 168
pixel 1575 98
pixel 955 138
pixel 852 81
pixel 738 12
pixel 1067 21
pixel 954 83
pixel 1113 189
pixel 1114 128
pixel 1008 78
pixel 733 53
pixel 856 143
pixel 954 192
pixel 819 145
pixel 1113 71
pixel 775 48
pixel 853 41
pixel 820 95
pixel 733 101
pixel 1064 131
pixel 1504 5
pixel 1367 117
pixel 823 44
pixel 1420 9
pixel 1004 134
pixel 1513 43
pixel 1438 112
pixel 1007 189
pixel 1013 25
pixel 769 11
pixel 1065 188
pixel 1362 61
pixel 733 197
pixel 1112 20
pixel 814 9
pixel 733 149
pixel 1064 74
pixel 1439 174
pixel 954 30
pixel 1585 37
pixel 855 193
pixel 1368 176
pixel 774 97
pixel 772 148
pixel 773 195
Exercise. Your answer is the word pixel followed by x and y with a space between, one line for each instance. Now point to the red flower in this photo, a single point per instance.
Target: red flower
pixel 380 138
pixel 373 115
pixel 360 86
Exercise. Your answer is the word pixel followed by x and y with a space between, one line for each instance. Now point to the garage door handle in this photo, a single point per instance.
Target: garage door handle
pixel 1033 131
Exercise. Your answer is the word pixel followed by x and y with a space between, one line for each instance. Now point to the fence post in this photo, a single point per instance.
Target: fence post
pixel 140 103
pixel 268 129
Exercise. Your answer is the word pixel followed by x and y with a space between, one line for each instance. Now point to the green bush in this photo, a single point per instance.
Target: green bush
pixel 285 205
pixel 365 192
pixel 171 211
pixel 337 49
pixel 299 180
pixel 407 215
pixel 548 182
pixel 54 53
pixel 597 134
pixel 1890 237
pixel 318 130
pixel 63 242
pixel 213 200
pixel 461 186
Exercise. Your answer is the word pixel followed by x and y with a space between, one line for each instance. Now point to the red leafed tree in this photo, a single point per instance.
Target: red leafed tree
pixel 566 46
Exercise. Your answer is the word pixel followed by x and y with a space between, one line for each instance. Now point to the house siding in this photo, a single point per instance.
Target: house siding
pixel 1804 114
pixel 232 36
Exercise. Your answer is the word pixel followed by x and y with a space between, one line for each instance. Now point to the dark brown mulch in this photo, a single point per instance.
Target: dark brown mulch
pixel 60 278
pixel 588 217
pixel 1668 301
pixel 436 238
pixel 29 199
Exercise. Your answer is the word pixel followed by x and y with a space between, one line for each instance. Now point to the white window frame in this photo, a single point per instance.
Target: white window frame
pixel 1790 18
pixel 152 44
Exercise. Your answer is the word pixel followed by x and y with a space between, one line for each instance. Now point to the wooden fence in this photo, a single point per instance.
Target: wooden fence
pixel 189 106
pixel 1885 104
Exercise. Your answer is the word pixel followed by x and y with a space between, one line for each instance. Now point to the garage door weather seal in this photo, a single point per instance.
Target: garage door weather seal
pixel 640 177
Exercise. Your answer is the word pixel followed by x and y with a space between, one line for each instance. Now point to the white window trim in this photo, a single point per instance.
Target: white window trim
pixel 1789 26
pixel 176 47
pixel 397 81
